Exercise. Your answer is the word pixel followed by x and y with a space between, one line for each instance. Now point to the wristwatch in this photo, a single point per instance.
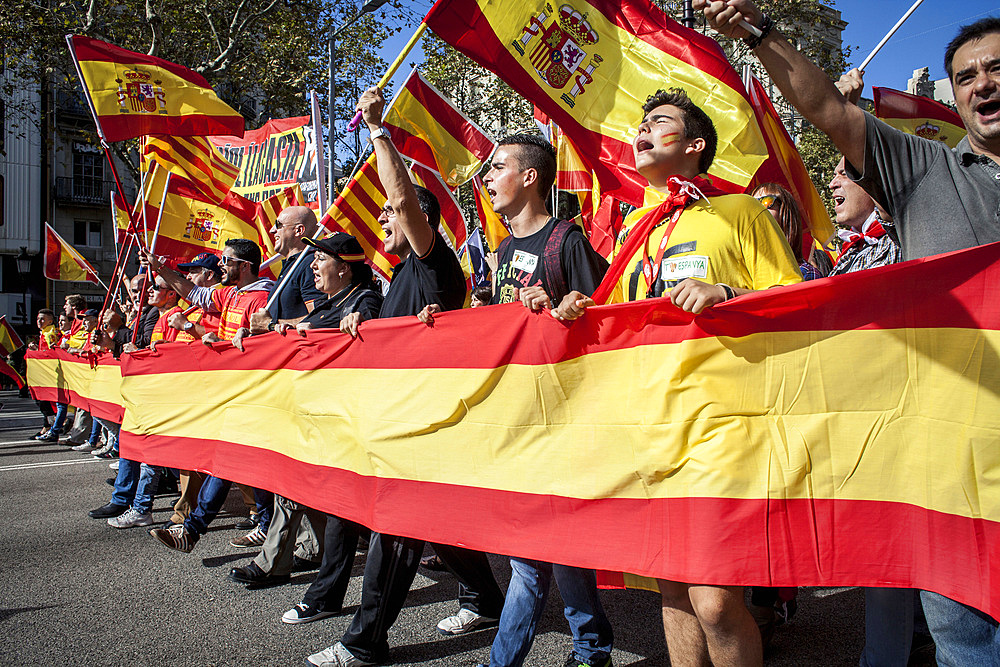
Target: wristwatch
pixel 379 132
pixel 188 326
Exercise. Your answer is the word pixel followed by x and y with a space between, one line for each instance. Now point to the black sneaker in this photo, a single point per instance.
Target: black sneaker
pixel 573 661
pixel 303 613
pixel 108 511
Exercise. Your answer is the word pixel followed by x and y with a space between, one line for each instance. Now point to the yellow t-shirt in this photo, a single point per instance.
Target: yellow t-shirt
pixel 729 239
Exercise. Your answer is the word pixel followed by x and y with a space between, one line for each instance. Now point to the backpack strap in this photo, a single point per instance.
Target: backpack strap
pixel 555 275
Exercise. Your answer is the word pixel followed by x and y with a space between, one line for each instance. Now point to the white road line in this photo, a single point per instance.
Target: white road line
pixel 25 442
pixel 50 464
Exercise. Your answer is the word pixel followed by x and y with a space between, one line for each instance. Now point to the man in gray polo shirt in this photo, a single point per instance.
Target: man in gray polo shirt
pixel 941 199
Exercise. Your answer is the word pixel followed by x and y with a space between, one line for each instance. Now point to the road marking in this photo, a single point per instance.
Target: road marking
pixel 25 442
pixel 50 464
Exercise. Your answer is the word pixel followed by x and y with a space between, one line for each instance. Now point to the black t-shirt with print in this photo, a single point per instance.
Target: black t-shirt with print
pixel 328 313
pixel 418 281
pixel 520 264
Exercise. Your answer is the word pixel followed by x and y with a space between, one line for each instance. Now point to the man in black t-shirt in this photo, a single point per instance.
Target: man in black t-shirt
pixel 428 273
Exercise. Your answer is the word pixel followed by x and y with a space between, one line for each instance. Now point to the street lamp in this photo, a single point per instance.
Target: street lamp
pixel 23 269
pixel 366 8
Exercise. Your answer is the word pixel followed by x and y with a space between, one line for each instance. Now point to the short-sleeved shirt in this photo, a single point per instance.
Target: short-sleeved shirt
pixel 163 330
pixel 729 239
pixel 940 199
pixel 234 304
pixel 328 313
pixel 291 302
pixel 418 281
pixel 521 264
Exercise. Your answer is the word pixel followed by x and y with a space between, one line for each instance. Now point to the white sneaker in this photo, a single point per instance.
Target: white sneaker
pixel 83 447
pixel 102 451
pixel 465 621
pixel 114 466
pixel 130 519
pixel 254 538
pixel 336 656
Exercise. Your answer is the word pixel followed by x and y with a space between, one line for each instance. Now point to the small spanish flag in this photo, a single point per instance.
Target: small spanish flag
pixel 917 115
pixel 63 262
pixel 133 94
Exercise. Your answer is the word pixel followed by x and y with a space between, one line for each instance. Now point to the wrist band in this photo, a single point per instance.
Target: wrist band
pixel 766 25
pixel 730 292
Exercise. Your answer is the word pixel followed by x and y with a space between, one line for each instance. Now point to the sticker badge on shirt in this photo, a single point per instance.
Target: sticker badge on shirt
pixel 524 261
pixel 679 268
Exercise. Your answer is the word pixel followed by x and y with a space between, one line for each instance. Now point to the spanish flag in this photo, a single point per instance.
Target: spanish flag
pixel 133 94
pixel 9 341
pixel 784 166
pixel 63 262
pixel 195 159
pixel 493 225
pixel 917 115
pixel 356 210
pixel 590 65
pixel 427 128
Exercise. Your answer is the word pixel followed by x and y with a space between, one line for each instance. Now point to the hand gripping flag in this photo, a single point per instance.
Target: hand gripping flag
pixel 917 115
pixel 194 159
pixel 590 64
pixel 493 226
pixel 356 210
pixel 784 166
pixel 133 94
pixel 63 262
pixel 427 128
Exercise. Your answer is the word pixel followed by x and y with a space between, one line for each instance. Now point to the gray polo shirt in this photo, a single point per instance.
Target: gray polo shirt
pixel 941 199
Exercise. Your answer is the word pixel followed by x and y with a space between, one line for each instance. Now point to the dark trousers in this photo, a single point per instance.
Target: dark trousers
pixel 389 571
pixel 340 541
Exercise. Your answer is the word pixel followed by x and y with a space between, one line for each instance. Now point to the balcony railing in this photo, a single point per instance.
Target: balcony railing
pixel 84 191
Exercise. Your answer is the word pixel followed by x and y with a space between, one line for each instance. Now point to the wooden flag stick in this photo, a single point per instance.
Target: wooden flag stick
pixel 392 69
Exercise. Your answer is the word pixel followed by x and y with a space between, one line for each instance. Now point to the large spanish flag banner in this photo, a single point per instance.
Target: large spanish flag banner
pixel 90 382
pixel 427 128
pixel 784 166
pixel 63 262
pixel 761 442
pixel 591 64
pixel 356 210
pixel 134 94
pixel 917 115
pixel 274 157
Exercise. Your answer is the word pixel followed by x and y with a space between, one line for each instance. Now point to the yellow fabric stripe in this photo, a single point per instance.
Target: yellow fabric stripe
pixel 755 417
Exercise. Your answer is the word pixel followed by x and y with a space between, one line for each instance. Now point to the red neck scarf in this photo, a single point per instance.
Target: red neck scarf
pixel 682 192
pixel 871 231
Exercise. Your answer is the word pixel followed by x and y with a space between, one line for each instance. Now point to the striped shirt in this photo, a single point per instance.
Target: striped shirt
pixel 235 304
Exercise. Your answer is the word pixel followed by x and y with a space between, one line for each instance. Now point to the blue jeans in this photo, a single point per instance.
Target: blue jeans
pixel 211 498
pixel 135 485
pixel 60 419
pixel 264 501
pixel 113 430
pixel 526 596
pixel 888 626
pixel 95 432
pixel 962 635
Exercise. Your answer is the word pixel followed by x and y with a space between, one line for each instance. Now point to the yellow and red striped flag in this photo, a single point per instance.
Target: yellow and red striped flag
pixel 427 128
pixel 784 166
pixel 356 210
pixel 493 226
pixel 134 94
pixel 917 115
pixel 452 226
pixel 63 262
pixel 9 341
pixel 590 65
pixel 196 160
pixel 275 204
pixel 120 216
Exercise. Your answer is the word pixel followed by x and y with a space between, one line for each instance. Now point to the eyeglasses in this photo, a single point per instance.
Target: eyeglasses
pixel 388 210
pixel 158 288
pixel 226 259
pixel 769 201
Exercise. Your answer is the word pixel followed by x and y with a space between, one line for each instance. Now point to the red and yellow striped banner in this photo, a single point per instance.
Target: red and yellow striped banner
pixel 134 94
pixel 196 160
pixel 753 444
pixel 917 115
pixel 87 382
pixel 64 262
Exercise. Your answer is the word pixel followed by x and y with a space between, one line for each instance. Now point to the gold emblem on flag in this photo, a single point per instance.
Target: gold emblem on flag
pixel 559 53
pixel 928 131
pixel 137 94
pixel 202 226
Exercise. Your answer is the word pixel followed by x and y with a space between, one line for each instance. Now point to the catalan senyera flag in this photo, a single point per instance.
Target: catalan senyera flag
pixel 356 210
pixel 784 166
pixel 192 223
pixel 275 204
pixel 493 226
pixel 730 448
pixel 427 128
pixel 591 64
pixel 9 341
pixel 134 94
pixel 63 262
pixel 917 115
pixel 195 159
pixel 452 225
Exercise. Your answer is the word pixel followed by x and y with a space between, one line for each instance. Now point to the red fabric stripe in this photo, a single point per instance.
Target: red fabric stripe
pixel 955 290
pixel 6 369
pixel 891 103
pixel 53 255
pixel 450 118
pixel 120 128
pixel 814 542
pixel 275 126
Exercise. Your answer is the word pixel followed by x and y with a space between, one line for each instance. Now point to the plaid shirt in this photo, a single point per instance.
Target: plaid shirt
pixel 864 256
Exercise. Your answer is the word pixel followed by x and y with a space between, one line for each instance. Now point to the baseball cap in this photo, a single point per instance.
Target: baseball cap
pixel 341 245
pixel 205 260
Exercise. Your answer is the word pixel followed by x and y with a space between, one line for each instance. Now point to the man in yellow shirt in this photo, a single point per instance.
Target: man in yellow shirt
pixel 702 247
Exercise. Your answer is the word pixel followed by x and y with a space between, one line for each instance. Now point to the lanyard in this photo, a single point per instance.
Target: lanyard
pixel 648 271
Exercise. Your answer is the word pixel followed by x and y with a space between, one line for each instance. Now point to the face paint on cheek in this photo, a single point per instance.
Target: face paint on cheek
pixel 670 139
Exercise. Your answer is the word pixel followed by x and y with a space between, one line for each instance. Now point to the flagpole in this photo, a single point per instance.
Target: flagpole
pixel 320 161
pixel 392 69
pixel 889 34
pixel 159 215
pixel 152 247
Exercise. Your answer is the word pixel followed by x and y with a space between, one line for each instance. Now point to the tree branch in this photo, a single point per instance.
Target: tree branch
pixel 156 26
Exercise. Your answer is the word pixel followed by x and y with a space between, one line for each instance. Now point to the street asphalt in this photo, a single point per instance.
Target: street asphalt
pixel 75 591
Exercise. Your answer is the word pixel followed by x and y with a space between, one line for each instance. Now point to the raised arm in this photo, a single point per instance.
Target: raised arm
pixel 802 83
pixel 177 282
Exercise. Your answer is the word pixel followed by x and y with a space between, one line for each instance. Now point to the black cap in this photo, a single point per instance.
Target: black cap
pixel 92 312
pixel 205 260
pixel 341 245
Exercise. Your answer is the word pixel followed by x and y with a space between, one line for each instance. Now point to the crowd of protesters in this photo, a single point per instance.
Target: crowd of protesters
pixel 896 197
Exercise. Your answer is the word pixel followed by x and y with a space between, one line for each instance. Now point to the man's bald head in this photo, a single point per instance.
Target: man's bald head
pixel 293 223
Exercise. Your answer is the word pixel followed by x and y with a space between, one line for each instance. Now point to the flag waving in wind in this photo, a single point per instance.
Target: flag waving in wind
pixel 197 160
pixel 917 115
pixel 590 64
pixel 134 94
pixel 63 262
